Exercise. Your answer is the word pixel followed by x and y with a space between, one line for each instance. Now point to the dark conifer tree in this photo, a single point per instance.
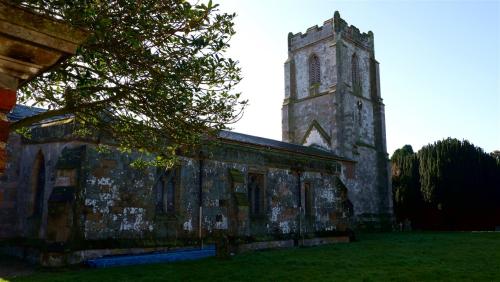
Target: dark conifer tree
pixel 457 186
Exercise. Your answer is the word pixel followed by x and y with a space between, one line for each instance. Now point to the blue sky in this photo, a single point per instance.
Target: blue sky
pixel 439 64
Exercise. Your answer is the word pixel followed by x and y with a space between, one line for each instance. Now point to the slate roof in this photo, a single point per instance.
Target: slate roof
pixel 21 111
pixel 275 144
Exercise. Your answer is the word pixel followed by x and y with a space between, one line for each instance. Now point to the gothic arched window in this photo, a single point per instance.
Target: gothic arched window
pixel 256 193
pixel 314 70
pixel 355 70
pixel 167 190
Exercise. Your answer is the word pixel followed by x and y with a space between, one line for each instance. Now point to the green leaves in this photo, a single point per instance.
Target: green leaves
pixel 152 71
pixel 451 179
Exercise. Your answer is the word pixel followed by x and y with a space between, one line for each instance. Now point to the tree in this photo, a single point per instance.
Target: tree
pixel 151 71
pixel 450 184
pixel 462 182
pixel 496 154
pixel 406 185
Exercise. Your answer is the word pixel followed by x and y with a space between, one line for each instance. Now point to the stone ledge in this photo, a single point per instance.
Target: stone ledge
pixel 324 241
pixel 267 245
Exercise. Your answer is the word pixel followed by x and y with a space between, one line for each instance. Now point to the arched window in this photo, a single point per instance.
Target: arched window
pixel 355 70
pixel 314 70
pixel 167 189
pixel 256 193
pixel 38 185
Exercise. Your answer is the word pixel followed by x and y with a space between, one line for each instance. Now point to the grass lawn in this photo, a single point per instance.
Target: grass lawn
pixel 375 257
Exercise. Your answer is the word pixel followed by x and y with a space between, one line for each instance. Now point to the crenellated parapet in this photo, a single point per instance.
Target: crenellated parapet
pixel 312 35
pixel 352 33
pixel 331 28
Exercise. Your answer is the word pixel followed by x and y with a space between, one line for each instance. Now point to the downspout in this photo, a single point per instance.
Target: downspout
pixel 200 197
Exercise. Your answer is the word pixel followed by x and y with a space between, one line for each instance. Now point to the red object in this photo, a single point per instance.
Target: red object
pixel 349 170
pixel 3 160
pixel 7 99
pixel 4 130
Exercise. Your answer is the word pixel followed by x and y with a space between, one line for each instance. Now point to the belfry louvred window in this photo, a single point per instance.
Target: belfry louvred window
pixel 355 70
pixel 314 70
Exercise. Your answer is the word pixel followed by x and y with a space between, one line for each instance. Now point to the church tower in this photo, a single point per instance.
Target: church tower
pixel 333 102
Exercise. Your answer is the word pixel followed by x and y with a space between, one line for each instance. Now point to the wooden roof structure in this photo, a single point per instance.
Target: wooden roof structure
pixel 31 43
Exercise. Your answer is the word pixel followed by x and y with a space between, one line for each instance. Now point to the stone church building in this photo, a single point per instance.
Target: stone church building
pixel 329 175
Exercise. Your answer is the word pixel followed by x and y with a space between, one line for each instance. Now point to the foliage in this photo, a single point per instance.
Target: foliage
pixel 457 186
pixel 496 155
pixel 404 256
pixel 152 75
pixel 405 184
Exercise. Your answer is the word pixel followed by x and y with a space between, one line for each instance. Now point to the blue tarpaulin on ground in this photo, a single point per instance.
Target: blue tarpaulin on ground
pixel 169 256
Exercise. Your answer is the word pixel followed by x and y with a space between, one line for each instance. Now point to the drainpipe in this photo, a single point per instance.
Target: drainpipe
pixel 200 198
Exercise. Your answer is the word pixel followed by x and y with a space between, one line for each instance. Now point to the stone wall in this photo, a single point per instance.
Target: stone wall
pixel 31 223
pixel 326 53
pixel 117 199
pixel 120 200
pixel 363 129
pixel 308 111
pixel 18 187
pixel 8 189
pixel 70 190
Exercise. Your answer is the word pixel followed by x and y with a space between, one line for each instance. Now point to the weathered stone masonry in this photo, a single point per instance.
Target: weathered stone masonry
pixel 93 195
pixel 343 112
